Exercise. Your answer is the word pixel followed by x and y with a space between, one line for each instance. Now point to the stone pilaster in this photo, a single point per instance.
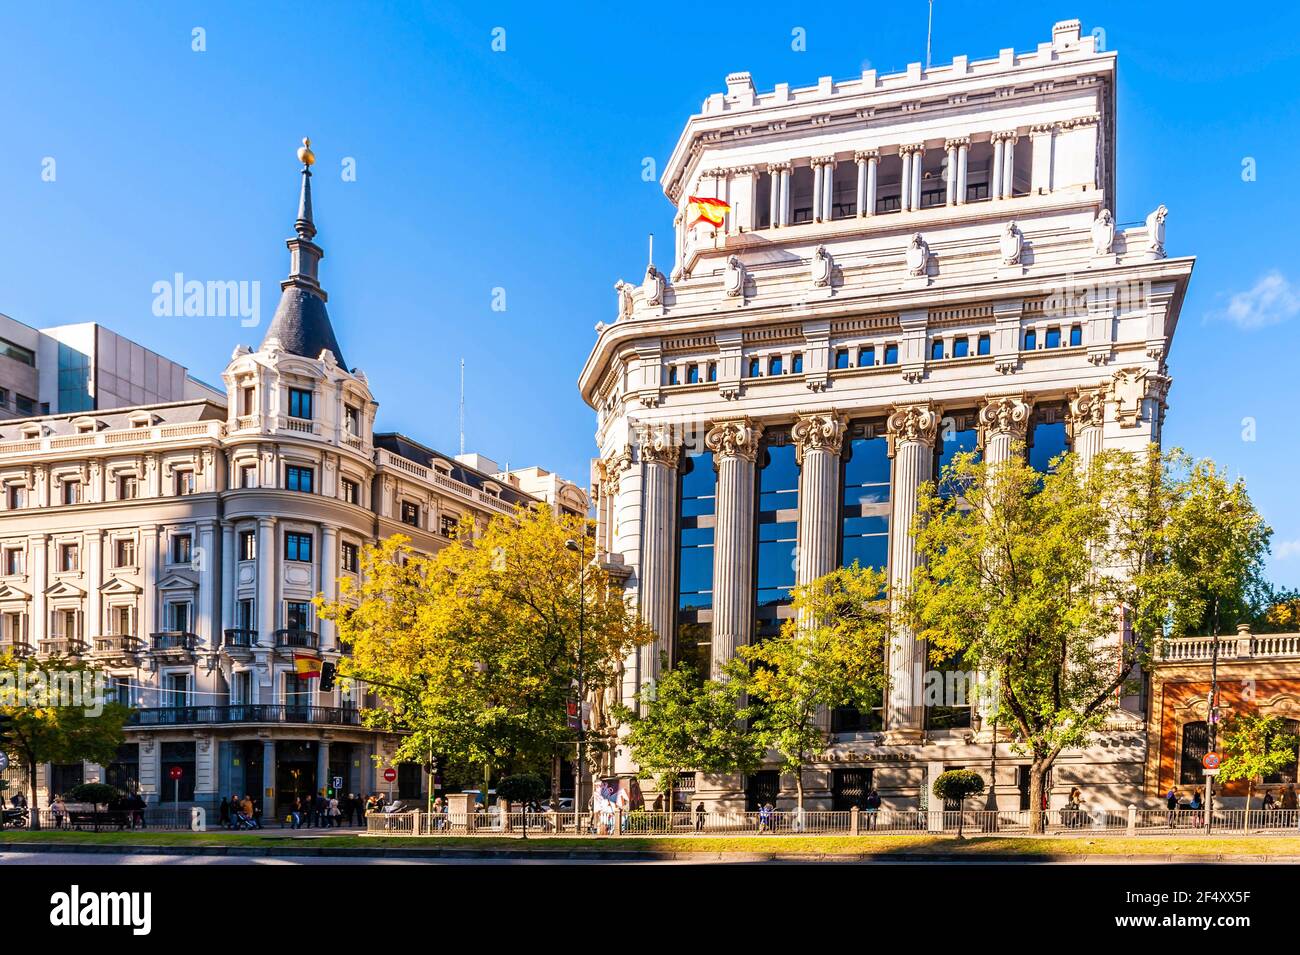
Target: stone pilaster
pixel 1003 422
pixel 734 445
pixel 912 431
pixel 660 452
pixel 1086 422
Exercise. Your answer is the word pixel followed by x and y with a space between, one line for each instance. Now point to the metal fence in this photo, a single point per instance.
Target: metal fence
pixel 112 820
pixel 821 822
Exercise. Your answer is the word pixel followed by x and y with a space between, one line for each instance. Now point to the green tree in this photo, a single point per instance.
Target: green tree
pixel 97 794
pixel 474 651
pixel 830 654
pixel 957 785
pixel 1027 577
pixel 1255 746
pixel 687 723
pixel 523 789
pixel 58 716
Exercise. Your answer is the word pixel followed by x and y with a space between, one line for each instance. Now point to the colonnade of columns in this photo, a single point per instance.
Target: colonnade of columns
pixel 819 436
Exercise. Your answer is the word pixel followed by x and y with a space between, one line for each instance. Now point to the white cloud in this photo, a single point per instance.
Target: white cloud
pixel 1272 300
pixel 1284 549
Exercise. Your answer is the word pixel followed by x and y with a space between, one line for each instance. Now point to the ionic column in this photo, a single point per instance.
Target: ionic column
pixel 329 580
pixel 867 160
pixel 905 181
pixel 963 148
pixel 912 430
pixel 1003 422
pixel 266 598
pixel 1086 422
pixel 995 188
pixel 918 156
pixel 660 453
pixel 819 437
pixel 734 445
pixel 817 190
pixel 781 183
pixel 1008 165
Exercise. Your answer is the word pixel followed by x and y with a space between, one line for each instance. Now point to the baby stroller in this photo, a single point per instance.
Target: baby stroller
pixel 240 821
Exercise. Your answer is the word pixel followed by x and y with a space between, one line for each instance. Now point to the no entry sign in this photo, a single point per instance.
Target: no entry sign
pixel 390 774
pixel 175 772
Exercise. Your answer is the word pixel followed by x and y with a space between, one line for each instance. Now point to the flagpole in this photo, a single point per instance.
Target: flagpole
pixel 929 29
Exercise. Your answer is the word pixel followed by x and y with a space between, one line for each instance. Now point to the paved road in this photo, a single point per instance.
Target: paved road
pixel 82 859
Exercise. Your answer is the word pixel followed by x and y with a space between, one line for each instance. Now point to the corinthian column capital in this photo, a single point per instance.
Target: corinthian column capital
pixel 914 424
pixel 659 444
pixel 818 431
pixel 735 438
pixel 1087 409
pixel 1008 414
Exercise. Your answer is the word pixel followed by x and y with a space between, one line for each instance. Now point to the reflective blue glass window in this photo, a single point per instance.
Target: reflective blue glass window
pixel 960 347
pixel 891 354
pixel 1031 340
pixel 864 476
pixel 867 357
pixel 1049 440
pixel 841 358
pixel 984 346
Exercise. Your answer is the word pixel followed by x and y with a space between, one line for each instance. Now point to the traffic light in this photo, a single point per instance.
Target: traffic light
pixel 328 673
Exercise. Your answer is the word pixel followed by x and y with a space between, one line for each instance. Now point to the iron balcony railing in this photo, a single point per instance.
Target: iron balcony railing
pixel 118 643
pixel 244 713
pixel 19 648
pixel 297 639
pixel 63 647
pixel 240 638
pixel 174 640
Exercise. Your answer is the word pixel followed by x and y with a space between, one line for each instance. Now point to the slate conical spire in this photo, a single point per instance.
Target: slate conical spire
pixel 301 323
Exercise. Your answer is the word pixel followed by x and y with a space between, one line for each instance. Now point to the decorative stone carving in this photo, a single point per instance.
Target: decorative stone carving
pixel 1011 244
pixel 1156 231
pixel 917 255
pixel 652 287
pixel 822 267
pixel 917 424
pixel 1103 233
pixel 738 438
pixel 624 292
pixel 1087 410
pixel 1130 387
pixel 818 431
pixel 1008 414
pixel 658 444
pixel 733 278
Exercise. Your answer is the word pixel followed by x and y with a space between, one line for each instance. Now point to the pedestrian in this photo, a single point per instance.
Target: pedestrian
pixel 60 809
pixel 359 809
pixel 765 817
pixel 872 804
pixel 699 816
pixel 1171 804
pixel 223 816
pixel 1269 802
pixel 1074 806
pixel 246 808
pixel 1289 797
pixel 295 813
pixel 334 812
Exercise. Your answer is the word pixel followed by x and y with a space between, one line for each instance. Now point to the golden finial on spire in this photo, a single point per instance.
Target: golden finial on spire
pixel 305 155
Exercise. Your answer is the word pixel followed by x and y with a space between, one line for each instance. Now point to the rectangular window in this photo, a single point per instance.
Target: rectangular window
pixel 713 371
pixel 300 403
pixel 180 617
pixel 348 557
pixel 182 548
pixel 247 545
pixel 692 374
pixel 124 552
pixel 672 374
pixel 891 354
pixel 411 513
pixel 17 352
pixel 867 357
pixel 128 487
pixel 352 420
pixel 960 347
pixel 754 368
pixel 299 479
pixel 244 614
pixel 984 346
pixel 16 495
pixel 936 349
pixel 247 475
pixel 247 397
pixel 297 547
pixel 71 492
pixel 777 531
pixel 841 358
pixel 447 525
pixel 121 619
pixel 25 405
pixel 1076 335
pixel 796 363
pixel 298 615
pixel 13 562
pixel 865 478
pixel 69 557
pixel 184 482
pixel 774 366
pixel 697 496
pixel 1031 340
pixel 350 492
pixel 1053 337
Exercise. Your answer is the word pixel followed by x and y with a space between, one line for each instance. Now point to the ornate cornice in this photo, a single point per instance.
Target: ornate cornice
pixel 818 431
pixel 1007 414
pixel 914 424
pixel 658 444
pixel 737 438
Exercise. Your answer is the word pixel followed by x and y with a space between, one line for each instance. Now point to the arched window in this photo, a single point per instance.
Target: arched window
pixel 1196 743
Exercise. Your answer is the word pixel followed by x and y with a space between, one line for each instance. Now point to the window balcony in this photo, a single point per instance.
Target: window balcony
pixel 169 641
pixel 117 645
pixel 239 639
pixel 289 639
pixel 19 648
pixel 63 647
pixel 245 713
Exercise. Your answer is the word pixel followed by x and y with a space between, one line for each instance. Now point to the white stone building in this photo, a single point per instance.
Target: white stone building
pixel 913 265
pixel 179 545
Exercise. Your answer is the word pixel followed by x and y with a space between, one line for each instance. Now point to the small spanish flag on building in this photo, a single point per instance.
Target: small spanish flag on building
pixel 706 209
pixel 306 666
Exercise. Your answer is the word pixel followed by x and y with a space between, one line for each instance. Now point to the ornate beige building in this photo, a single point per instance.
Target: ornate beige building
pixel 913 265
pixel 179 545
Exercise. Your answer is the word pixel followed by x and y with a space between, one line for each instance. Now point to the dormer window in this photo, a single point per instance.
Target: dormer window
pixel 30 431
pixel 352 420
pixel 86 425
pixel 247 401
pixel 300 404
pixel 142 419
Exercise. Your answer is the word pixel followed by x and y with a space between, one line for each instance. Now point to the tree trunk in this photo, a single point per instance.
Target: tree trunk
pixel 798 783
pixel 1250 798
pixel 961 816
pixel 1037 779
pixel 33 808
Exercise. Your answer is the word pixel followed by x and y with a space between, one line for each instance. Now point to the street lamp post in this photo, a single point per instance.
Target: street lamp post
pixel 580 765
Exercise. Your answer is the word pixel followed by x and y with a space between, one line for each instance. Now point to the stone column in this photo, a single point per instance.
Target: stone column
pixel 918 157
pixel 783 170
pixel 329 580
pixel 734 445
pixel 660 452
pixel 228 573
pixel 322 765
pixel 266 573
pixel 963 148
pixel 950 173
pixel 912 430
pixel 995 170
pixel 1086 422
pixel 819 438
pixel 38 557
pixel 774 195
pixel 94 578
pixel 149 574
pixel 905 179
pixel 1003 422
pixel 828 188
pixel 818 171
pixel 1009 165
pixel 868 161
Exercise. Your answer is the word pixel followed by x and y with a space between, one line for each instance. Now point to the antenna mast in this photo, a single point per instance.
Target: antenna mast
pixel 929 28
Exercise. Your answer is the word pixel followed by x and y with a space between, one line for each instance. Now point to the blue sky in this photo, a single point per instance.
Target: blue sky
pixel 521 170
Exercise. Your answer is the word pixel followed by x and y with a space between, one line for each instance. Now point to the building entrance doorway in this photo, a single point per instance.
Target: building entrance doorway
pixel 295 773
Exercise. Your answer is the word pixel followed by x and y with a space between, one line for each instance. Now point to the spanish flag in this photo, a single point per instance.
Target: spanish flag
pixel 706 209
pixel 306 665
